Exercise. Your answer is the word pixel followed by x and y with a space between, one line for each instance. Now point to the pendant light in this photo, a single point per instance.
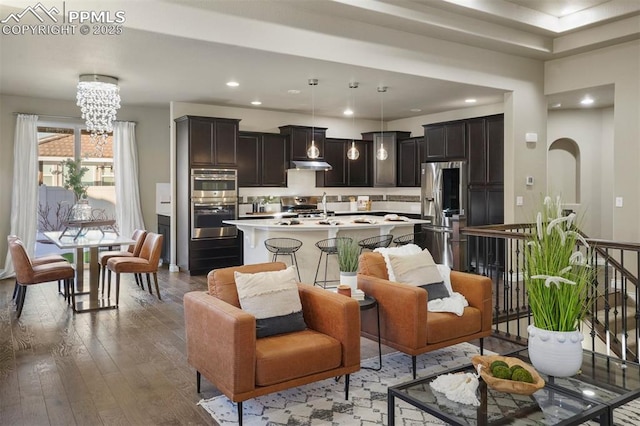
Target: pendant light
pixel 381 153
pixel 313 151
pixel 353 153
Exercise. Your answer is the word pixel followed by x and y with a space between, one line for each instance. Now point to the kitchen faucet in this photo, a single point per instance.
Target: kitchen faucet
pixel 324 206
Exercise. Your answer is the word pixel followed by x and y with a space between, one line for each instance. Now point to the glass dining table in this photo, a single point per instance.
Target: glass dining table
pixel 93 240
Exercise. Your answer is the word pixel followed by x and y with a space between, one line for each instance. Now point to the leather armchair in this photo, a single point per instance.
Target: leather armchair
pixel 222 343
pixel 405 323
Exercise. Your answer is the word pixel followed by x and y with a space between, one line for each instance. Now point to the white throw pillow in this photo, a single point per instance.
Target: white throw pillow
pixel 398 251
pixel 272 297
pixel 420 270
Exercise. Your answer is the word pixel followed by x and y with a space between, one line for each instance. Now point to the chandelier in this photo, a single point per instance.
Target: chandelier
pixel 313 152
pixel 98 98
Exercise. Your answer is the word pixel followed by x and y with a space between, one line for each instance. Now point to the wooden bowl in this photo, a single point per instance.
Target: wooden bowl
pixel 503 385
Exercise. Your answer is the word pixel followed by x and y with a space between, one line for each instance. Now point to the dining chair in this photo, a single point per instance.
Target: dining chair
pixel 133 250
pixel 29 274
pixel 145 263
pixel 42 260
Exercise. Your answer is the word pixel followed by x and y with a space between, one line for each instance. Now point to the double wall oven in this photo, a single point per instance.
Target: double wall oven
pixel 214 199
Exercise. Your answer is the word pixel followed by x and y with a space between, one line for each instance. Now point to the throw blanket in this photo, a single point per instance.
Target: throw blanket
pixel 455 304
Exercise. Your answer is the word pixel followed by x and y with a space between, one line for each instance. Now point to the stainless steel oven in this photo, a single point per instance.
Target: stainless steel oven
pixel 214 199
pixel 208 214
pixel 214 183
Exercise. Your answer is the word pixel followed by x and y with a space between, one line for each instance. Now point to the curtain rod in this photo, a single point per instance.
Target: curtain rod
pixel 60 116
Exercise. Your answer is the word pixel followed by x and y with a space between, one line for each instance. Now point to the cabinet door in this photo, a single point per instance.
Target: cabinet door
pixel 300 141
pixel 435 143
pixel 226 138
pixel 336 155
pixel 384 171
pixel 201 142
pixel 360 170
pixel 274 160
pixel 249 159
pixel 408 163
pixel 319 136
pixel 455 141
pixel 477 151
pixel 495 149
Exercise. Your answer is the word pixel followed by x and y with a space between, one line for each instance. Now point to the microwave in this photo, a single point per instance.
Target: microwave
pixel 214 183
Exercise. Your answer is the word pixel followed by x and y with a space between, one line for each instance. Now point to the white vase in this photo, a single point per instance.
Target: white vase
pixel 350 279
pixel 555 353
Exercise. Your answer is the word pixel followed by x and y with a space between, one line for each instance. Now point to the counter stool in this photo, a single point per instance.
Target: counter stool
pixel 284 247
pixel 373 243
pixel 328 247
pixel 414 238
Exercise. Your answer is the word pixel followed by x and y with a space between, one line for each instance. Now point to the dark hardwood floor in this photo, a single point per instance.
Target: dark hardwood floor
pixel 118 367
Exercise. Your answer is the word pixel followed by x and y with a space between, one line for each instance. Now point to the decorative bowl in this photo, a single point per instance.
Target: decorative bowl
pixel 482 363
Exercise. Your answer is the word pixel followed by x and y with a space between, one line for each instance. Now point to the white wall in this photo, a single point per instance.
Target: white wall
pixel 591 129
pixel 151 134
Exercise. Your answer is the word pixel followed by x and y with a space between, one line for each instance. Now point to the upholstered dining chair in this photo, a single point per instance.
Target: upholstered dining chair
pixel 132 251
pixel 42 260
pixel 145 263
pixel 29 274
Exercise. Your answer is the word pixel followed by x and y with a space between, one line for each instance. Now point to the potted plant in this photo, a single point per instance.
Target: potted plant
pixel 72 173
pixel 558 282
pixel 348 253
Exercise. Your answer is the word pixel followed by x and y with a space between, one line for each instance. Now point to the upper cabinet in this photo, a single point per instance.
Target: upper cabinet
pixel 410 155
pixel 300 138
pixel 262 159
pixel 384 165
pixel 346 172
pixel 210 141
pixel 445 141
pixel 485 137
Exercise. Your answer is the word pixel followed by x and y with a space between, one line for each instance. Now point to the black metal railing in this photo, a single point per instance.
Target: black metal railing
pixel 612 323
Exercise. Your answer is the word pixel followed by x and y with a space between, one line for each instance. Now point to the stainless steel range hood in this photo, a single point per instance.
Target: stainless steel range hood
pixel 311 165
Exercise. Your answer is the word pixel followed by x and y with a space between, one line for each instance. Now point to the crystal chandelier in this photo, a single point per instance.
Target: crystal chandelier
pixel 99 99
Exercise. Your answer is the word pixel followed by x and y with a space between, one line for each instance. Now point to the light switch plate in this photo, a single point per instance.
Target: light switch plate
pixel 619 202
pixel 529 180
pixel 519 201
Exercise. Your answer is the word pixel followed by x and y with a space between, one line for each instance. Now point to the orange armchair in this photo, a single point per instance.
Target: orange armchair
pixel 222 343
pixel 405 323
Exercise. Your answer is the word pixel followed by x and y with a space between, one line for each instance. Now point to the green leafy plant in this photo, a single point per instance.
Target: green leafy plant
pixel 556 272
pixel 73 172
pixel 348 253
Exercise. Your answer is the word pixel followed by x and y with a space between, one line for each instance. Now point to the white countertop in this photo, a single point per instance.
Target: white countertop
pixel 313 224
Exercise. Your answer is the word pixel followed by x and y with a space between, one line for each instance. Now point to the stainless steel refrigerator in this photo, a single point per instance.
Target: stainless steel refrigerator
pixel 444 201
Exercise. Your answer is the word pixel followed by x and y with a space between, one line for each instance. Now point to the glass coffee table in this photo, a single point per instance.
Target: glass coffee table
pixel 603 385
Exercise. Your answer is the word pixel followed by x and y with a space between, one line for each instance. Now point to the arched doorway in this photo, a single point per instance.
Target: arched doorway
pixel 563 174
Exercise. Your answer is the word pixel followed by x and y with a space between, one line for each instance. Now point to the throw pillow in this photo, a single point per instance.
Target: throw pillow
pixel 272 297
pixel 420 270
pixel 436 291
pixel 398 251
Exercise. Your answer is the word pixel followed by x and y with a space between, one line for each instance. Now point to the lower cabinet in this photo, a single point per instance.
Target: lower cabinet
pixel 164 229
pixel 208 254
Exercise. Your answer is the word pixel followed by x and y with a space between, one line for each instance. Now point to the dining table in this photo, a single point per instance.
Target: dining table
pixel 93 240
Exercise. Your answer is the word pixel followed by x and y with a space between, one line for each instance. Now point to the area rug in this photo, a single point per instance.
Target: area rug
pixel 323 403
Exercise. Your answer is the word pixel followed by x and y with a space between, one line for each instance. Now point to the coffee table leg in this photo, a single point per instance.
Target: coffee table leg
pixel 391 409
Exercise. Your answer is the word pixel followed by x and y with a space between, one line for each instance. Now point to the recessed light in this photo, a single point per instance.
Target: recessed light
pixel 233 84
pixel 256 103
pixel 293 91
pixel 415 110
pixel 556 105
pixel 587 101
pixel 348 111
pixel 470 101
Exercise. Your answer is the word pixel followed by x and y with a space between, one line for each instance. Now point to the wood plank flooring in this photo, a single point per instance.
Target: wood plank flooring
pixel 118 367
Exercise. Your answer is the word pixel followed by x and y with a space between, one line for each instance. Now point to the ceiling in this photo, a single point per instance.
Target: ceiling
pixel 159 59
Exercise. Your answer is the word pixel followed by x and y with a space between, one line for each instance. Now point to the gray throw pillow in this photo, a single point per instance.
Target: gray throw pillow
pixel 436 291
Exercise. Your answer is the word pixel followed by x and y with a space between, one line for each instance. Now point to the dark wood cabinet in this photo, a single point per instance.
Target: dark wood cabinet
pixel 384 170
pixel 164 229
pixel 300 138
pixel 445 141
pixel 346 172
pixel 410 154
pixel 485 136
pixel 262 159
pixel 210 141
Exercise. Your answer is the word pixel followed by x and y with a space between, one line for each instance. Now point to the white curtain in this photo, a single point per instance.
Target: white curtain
pixel 24 195
pixel 125 164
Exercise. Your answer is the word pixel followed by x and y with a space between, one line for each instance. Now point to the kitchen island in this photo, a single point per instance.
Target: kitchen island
pixel 312 230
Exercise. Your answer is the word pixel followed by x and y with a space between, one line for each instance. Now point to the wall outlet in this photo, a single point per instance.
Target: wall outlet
pixel 619 202
pixel 519 201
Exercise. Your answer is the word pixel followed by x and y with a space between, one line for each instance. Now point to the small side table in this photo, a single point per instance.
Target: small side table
pixel 370 302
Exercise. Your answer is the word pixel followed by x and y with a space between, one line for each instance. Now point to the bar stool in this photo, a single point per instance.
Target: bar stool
pixel 373 243
pixel 328 247
pixel 414 238
pixel 284 247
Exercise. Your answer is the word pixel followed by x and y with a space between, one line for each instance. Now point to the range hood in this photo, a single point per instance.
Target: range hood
pixel 311 165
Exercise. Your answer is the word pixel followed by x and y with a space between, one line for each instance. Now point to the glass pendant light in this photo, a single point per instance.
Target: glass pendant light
pixel 353 153
pixel 313 151
pixel 381 153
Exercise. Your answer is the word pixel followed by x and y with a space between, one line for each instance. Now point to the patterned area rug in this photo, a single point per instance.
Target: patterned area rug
pixel 323 403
